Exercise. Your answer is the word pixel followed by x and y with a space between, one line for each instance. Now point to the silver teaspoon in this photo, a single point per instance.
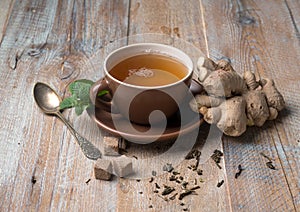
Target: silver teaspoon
pixel 48 101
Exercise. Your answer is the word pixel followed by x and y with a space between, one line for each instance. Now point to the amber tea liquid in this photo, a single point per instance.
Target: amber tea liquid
pixel 149 70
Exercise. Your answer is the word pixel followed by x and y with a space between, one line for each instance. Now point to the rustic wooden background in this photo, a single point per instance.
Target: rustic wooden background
pixel 41 166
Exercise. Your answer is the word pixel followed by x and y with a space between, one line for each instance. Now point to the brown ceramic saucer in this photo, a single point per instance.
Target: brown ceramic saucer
pixel 190 121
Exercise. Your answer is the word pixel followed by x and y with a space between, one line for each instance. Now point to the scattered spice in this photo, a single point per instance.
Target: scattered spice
pixel 185 209
pixel 154 173
pixel 220 183
pixel 150 206
pixel 164 198
pixel 270 165
pixel 200 172
pixel 182 204
pixel 33 179
pixel 157 186
pixel 155 191
pixel 265 156
pixel 135 157
pixel 151 180
pixel 87 182
pixel 184 184
pixel 195 181
pixel 168 167
pixel 201 180
pixel 184 194
pixel 172 178
pixel 193 154
pixel 140 192
pixel 240 169
pixel 173 197
pixel 175 173
pixel 178 181
pixel 167 190
pixel 195 188
pixel 216 156
pixel 138 180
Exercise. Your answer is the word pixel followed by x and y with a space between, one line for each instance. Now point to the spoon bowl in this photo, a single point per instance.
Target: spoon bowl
pixel 46 98
pixel 48 101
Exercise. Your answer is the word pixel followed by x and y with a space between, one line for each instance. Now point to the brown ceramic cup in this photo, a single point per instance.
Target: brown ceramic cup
pixel 142 104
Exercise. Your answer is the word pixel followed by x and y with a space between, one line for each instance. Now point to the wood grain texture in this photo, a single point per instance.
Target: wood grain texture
pixel 168 17
pixel 261 37
pixel 5 10
pixel 41 166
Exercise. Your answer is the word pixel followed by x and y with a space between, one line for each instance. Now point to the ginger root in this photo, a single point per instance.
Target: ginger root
pixel 232 102
pixel 230 116
pixel 222 81
pixel 256 108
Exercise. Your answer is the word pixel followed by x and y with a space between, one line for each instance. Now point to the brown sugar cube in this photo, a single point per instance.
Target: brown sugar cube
pixel 111 146
pixel 122 166
pixel 103 169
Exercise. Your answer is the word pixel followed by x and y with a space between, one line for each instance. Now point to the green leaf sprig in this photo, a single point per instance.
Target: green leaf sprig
pixel 80 96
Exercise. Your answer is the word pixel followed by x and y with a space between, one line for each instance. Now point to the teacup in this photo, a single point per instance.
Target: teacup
pixel 147 82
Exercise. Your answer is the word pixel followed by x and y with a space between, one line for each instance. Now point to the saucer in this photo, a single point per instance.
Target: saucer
pixel 177 125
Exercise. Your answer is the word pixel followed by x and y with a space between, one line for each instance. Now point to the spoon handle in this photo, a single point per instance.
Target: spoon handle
pixel 89 150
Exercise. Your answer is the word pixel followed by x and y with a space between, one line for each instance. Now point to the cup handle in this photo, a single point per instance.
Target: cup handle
pixel 196 87
pixel 104 102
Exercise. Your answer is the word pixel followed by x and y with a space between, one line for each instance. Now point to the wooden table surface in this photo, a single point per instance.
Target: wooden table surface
pixel 41 166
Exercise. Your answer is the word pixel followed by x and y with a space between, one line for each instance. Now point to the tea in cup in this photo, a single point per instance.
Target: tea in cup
pixel 147 82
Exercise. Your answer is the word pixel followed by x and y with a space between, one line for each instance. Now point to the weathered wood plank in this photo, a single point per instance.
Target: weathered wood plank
pixel 42 166
pixel 254 36
pixel 5 10
pixel 175 19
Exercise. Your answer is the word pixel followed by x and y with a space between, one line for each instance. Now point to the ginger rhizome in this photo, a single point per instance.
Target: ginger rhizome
pixel 232 102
